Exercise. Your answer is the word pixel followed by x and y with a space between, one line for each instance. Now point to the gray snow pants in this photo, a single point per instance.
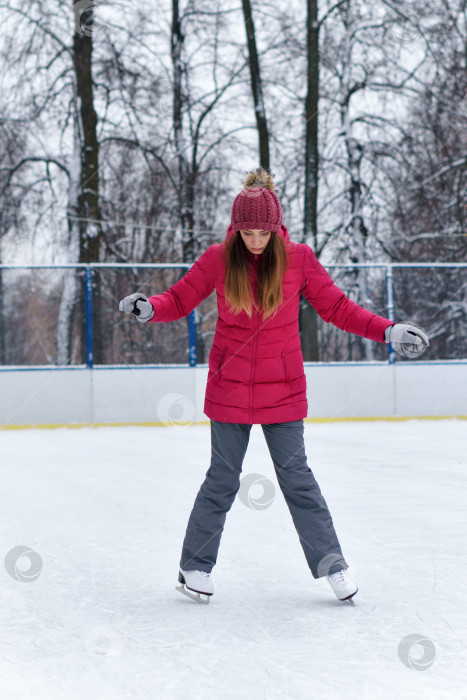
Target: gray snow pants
pixel 309 511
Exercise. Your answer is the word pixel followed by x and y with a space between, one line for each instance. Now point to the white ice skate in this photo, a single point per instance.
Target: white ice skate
pixel 196 585
pixel 343 586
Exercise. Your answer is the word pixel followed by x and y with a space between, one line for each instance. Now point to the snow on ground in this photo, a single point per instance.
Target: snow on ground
pixel 106 510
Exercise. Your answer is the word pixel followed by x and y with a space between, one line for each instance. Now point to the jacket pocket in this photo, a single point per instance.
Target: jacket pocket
pixel 221 362
pixel 286 376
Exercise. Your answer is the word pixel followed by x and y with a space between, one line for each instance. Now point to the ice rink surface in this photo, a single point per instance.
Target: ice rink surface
pixel 104 513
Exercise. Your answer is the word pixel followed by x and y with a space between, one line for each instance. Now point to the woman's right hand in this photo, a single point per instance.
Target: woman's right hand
pixel 138 305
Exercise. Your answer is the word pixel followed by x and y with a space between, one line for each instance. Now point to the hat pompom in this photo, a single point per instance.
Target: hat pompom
pixel 259 178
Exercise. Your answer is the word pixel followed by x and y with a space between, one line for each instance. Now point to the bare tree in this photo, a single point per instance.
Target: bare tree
pixel 82 170
pixel 11 149
pixel 308 320
pixel 427 202
pixel 256 86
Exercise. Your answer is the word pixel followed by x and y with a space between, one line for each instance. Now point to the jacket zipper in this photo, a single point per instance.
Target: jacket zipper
pixel 253 365
pixel 255 315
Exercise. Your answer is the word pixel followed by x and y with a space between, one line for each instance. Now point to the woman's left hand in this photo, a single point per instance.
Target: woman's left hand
pixel 409 340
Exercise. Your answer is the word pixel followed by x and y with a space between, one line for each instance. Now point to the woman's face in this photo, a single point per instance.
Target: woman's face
pixel 255 240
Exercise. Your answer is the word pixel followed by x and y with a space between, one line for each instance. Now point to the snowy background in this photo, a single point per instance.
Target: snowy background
pixel 106 509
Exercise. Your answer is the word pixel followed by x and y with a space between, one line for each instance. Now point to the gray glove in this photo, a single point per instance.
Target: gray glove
pixel 408 339
pixel 138 305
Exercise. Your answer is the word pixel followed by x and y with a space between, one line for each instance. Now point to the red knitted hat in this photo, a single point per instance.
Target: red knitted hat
pixel 257 206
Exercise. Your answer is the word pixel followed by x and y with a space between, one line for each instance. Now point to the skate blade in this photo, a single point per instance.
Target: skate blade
pixel 350 601
pixel 193 595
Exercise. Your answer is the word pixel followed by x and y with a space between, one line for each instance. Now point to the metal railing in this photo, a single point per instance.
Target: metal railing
pixel 389 267
pixel 89 271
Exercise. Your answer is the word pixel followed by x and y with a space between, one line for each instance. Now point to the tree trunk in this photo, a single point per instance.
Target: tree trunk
pixel 256 86
pixel 308 320
pixel 89 226
pixel 358 233
pixel 2 323
pixel 185 178
pixel 68 302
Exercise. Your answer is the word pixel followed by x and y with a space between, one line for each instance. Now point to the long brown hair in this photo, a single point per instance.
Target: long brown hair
pixel 237 287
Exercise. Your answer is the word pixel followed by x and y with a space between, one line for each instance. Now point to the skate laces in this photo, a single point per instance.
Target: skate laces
pixel 338 577
pixel 204 574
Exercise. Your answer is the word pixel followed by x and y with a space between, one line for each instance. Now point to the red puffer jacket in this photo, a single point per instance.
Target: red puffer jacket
pixel 256 372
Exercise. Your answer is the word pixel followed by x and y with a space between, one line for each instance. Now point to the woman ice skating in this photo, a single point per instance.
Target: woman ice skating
pixel 256 375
